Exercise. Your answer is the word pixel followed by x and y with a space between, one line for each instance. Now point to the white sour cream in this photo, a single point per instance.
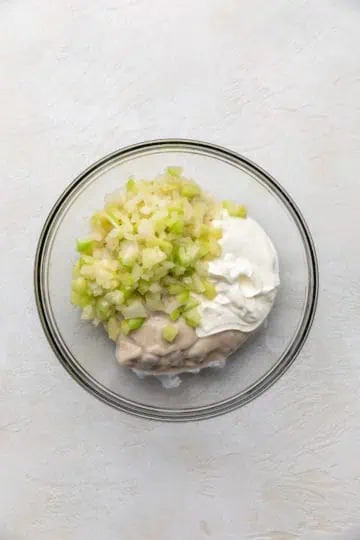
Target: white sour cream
pixel 246 277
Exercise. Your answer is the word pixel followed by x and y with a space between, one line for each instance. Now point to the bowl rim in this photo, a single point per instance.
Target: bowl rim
pixel 192 413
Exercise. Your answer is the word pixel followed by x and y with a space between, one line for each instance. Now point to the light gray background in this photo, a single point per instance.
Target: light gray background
pixel 278 81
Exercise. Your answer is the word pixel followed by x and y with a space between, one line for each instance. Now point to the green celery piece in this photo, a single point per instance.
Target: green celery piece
pixel 113 328
pixel 175 315
pixel 177 227
pixel 165 246
pixel 183 298
pixel 130 184
pixel 189 254
pixel 241 211
pixel 88 313
pixel 79 285
pixel 169 333
pixel 229 206
pixel 126 279
pixel 205 248
pixel 152 256
pixel 116 298
pixel 125 327
pixel 192 318
pixel 134 324
pixel 235 210
pixel 103 309
pixel 174 171
pixel 190 190
pixel 191 304
pixel 80 300
pixel 175 289
pixel 210 289
pixel 111 219
pixel 216 233
pixel 143 286
pixel 84 245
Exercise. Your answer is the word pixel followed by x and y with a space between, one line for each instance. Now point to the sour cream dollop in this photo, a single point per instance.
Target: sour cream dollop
pixel 246 278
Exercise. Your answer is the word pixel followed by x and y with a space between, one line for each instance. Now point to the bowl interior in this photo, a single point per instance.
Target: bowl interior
pixel 87 351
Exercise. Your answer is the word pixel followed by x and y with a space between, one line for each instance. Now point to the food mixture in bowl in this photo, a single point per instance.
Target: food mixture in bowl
pixel 178 280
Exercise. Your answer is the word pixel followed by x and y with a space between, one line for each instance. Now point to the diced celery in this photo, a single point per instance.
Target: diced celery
pixel 177 227
pixel 188 255
pixel 165 246
pixel 143 286
pixel 187 274
pixel 241 211
pixel 216 233
pixel 101 223
pixel 155 287
pixel 169 188
pixel 152 256
pixel 169 333
pixel 134 309
pixel 235 210
pixel 190 190
pixel 126 279
pixel 175 315
pixel 94 288
pixel 183 298
pixel 79 285
pixel 148 250
pixel 201 268
pixel 113 221
pixel 178 271
pixel 192 318
pixel 130 184
pixel 136 272
pixel 191 304
pixel 197 284
pixel 125 327
pixel 86 259
pixel 134 324
pixel 85 245
pixel 115 297
pixel 153 302
pixel 204 230
pixel 129 325
pixel 204 248
pixel 113 216
pixel 215 248
pixel 229 206
pixel 80 300
pixel 88 313
pixel 160 225
pixel 210 289
pixel 127 292
pixel 113 328
pixel 175 171
pixel 159 272
pixel 175 289
pixel 103 309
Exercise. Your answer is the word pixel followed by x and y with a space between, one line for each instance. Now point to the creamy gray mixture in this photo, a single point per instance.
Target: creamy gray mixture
pixel 146 350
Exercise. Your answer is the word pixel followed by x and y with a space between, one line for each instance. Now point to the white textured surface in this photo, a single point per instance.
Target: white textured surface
pixel 276 80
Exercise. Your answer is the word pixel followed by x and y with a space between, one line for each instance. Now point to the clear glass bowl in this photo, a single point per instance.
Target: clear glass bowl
pixel 88 354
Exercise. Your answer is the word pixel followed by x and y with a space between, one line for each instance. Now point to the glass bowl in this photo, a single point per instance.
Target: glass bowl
pixel 88 354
